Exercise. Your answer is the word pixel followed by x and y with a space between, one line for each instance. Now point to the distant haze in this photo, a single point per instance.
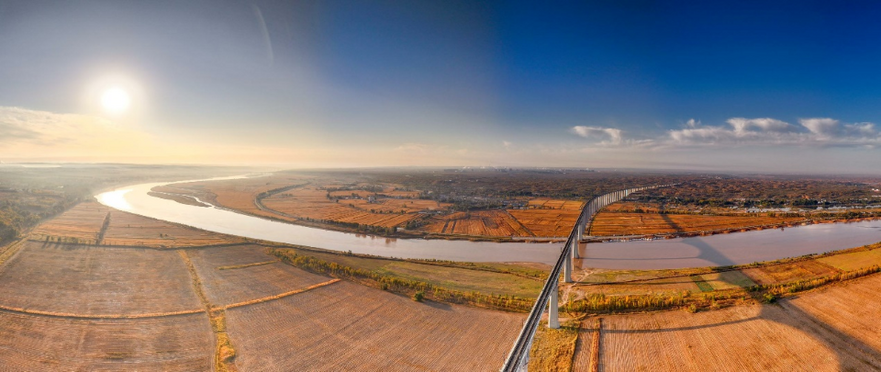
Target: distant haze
pixel 745 86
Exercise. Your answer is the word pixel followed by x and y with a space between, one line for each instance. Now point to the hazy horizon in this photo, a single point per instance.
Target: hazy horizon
pixel 746 87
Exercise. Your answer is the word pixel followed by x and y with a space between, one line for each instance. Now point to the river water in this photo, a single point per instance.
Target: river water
pixel 716 250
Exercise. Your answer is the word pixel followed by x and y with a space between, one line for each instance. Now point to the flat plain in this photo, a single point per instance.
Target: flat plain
pixel 89 280
pixel 346 326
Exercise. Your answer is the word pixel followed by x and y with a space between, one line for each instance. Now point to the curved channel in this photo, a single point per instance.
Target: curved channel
pixel 716 250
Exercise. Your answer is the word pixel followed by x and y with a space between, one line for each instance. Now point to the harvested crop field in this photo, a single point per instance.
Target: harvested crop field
pixel 41 343
pixel 545 203
pixel 82 222
pixel 310 202
pixel 547 222
pixel 851 309
pixel 89 280
pixel 230 276
pixel 133 230
pixel 826 330
pixel 345 326
pixel 487 223
pixel 618 223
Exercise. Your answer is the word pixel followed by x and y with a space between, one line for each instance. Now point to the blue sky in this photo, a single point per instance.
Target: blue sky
pixel 746 86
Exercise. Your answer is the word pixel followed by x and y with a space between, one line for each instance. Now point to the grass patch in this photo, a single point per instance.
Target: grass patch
pixel 701 283
pixel 853 261
pixel 728 280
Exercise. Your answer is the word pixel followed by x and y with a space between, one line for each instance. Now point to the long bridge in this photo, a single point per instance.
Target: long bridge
pixel 518 358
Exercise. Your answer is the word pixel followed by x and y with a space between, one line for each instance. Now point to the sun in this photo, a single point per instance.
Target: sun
pixel 115 100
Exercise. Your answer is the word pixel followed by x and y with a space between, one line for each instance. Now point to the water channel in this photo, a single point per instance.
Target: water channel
pixel 716 250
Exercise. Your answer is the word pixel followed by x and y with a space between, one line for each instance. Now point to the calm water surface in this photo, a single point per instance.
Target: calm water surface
pixel 716 250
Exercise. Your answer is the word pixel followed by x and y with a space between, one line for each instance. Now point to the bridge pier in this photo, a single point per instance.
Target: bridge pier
pixel 553 303
pixel 567 269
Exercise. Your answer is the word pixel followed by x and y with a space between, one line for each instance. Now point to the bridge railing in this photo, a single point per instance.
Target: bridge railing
pixel 518 358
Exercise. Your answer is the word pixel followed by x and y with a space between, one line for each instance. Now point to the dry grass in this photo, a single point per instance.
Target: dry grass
pixel 40 343
pixel 552 349
pixel 92 280
pixel 349 327
pixel 618 223
pixel 82 222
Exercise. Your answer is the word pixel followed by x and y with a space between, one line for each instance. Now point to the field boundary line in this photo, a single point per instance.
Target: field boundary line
pixel 233 267
pixel 595 346
pixel 98 316
pixel 10 251
pixel 280 295
pixel 120 246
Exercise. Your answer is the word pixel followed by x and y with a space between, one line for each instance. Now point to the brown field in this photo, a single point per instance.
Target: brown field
pixel 88 280
pixel 545 203
pixel 42 343
pixel 547 223
pixel 788 272
pixel 349 327
pixel 619 223
pixel 489 223
pixel 237 194
pixel 309 202
pixel 825 330
pixel 133 230
pixel 82 222
pixel 229 286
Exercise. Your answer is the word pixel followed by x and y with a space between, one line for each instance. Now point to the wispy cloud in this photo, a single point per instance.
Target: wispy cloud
pixel 606 135
pixel 24 131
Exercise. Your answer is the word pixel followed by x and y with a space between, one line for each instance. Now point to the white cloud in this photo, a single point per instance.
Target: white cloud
pixel 610 136
pixel 742 125
pixel 821 127
pixel 768 131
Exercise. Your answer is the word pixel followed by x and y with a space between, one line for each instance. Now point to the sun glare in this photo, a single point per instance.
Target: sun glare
pixel 115 100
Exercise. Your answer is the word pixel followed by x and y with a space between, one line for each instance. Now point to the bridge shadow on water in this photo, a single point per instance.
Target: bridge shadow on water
pixel 852 354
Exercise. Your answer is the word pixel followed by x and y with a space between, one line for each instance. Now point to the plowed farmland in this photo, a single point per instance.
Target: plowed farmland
pixel 42 343
pixel 827 330
pixel 88 280
pixel 349 327
pixel 487 223
pixel 229 276
pixel 134 230
pixel 82 222
pixel 312 203
pixel 547 222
